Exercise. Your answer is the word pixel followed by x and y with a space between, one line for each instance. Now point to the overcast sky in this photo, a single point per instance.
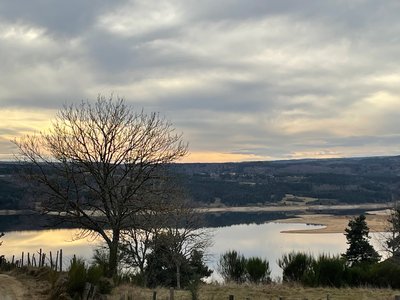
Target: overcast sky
pixel 242 79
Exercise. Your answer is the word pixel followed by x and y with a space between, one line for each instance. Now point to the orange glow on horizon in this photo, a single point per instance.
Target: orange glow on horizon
pixel 217 157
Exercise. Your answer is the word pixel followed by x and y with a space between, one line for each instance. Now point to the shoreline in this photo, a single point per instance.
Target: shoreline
pixel 334 224
pixel 288 208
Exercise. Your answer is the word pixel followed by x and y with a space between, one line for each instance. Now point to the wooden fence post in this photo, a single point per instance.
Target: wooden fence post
pixel 43 258
pixel 231 297
pixel 154 295
pixel 40 257
pixel 60 260
pixel 56 264
pixel 171 293
pixel 51 260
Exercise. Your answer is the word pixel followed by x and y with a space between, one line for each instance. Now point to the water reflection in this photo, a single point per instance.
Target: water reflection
pixel 48 240
pixel 265 240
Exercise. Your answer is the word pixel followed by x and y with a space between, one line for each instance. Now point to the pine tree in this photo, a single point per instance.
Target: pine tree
pixel 360 250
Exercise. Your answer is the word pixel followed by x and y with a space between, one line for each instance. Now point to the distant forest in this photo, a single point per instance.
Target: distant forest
pixel 328 181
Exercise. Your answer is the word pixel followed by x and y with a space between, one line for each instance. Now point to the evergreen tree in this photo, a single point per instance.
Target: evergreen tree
pixel 360 250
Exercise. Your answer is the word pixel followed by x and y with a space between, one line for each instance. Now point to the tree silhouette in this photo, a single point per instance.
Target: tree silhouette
pixel 360 250
pixel 99 165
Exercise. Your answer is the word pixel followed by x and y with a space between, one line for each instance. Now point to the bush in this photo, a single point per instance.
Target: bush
pixel 77 276
pixel 385 274
pixel 105 286
pixel 101 259
pixel 232 266
pixel 94 273
pixel 326 271
pixel 295 265
pixel 258 270
pixel 359 274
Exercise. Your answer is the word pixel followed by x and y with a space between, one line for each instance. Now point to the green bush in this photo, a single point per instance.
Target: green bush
pixel 77 276
pixel 359 275
pixel 295 265
pixel 258 270
pixel 232 266
pixel 94 273
pixel 385 274
pixel 326 271
pixel 101 258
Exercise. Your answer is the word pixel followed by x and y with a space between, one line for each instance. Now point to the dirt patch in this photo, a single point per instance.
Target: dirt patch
pixel 21 286
pixel 11 288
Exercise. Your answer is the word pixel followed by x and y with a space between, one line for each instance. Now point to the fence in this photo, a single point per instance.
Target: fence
pixel 41 260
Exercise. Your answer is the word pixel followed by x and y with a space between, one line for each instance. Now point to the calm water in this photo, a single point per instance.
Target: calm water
pixel 265 240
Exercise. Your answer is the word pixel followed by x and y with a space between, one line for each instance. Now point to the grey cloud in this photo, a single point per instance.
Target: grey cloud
pixel 58 17
pixel 257 71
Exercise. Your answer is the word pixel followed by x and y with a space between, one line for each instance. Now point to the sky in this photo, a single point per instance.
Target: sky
pixel 242 80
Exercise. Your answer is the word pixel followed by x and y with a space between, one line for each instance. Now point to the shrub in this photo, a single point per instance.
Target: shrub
pixel 258 270
pixel 105 286
pixel 385 274
pixel 232 266
pixel 326 271
pixel 295 265
pixel 77 276
pixel 359 274
pixel 94 273
pixel 101 259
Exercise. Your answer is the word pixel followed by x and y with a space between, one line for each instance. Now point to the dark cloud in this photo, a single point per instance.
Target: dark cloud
pixel 266 78
pixel 63 18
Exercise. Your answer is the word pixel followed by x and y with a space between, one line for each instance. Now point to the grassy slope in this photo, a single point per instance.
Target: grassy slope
pixel 261 292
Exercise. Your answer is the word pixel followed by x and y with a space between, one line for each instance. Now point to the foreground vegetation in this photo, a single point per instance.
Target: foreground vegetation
pixel 260 292
pixel 39 286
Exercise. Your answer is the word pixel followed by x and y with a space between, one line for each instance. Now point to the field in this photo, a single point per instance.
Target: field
pixel 259 292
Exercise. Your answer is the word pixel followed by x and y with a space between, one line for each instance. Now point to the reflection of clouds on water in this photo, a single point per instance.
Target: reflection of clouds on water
pixel 265 240
pixel 17 242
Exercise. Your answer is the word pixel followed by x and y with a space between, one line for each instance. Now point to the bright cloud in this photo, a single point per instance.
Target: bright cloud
pixel 243 80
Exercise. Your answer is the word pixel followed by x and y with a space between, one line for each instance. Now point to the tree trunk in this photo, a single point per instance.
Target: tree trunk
pixel 178 276
pixel 113 259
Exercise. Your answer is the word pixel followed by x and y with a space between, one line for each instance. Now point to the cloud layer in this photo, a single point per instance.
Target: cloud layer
pixel 241 79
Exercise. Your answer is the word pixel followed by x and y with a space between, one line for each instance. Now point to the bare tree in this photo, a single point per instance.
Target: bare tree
pixel 97 164
pixel 391 237
pixel 174 227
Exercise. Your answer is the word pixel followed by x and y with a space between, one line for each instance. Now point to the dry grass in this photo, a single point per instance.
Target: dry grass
pixel 260 292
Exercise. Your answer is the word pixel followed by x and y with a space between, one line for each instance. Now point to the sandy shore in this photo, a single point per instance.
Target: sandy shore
pixel 288 208
pixel 376 217
pixel 335 224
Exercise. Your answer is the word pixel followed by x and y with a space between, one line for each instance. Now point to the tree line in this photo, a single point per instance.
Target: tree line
pixel 359 265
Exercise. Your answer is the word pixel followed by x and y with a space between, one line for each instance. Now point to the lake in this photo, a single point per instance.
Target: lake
pixel 265 240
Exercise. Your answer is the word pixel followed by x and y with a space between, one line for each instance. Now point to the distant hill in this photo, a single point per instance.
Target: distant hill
pixel 341 180
pixel 325 181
